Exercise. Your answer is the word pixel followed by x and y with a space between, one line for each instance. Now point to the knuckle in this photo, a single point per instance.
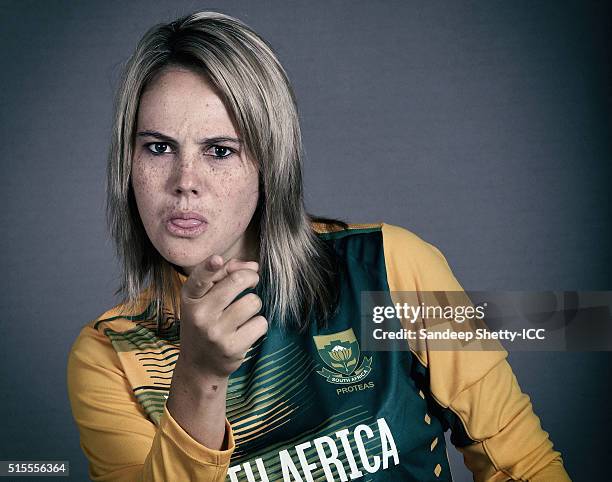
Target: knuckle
pixel 215 335
pixel 195 313
pixel 236 277
pixel 227 349
pixel 200 319
pixel 189 294
pixel 200 284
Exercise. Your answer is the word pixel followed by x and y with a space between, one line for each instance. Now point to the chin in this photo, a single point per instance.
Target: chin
pixel 181 259
pixel 186 263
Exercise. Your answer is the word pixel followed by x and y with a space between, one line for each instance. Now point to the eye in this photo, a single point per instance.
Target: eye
pixel 220 152
pixel 159 148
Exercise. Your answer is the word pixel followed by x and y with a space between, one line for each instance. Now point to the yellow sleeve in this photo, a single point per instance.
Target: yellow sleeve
pixel 120 442
pixel 497 431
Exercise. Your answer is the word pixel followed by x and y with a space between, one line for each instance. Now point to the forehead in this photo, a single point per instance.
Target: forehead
pixel 178 98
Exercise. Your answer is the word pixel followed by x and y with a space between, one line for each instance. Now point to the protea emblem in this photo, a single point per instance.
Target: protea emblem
pixel 340 352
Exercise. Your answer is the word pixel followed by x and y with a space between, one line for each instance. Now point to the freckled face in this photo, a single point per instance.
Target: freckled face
pixel 195 187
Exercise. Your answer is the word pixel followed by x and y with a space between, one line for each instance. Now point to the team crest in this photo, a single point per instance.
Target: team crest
pixel 340 352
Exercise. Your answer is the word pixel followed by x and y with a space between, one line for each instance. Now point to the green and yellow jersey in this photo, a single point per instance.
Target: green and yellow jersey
pixel 312 406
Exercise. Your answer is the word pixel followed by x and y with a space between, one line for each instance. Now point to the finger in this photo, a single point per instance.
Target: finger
pixel 250 332
pixel 235 264
pixel 225 291
pixel 212 270
pixel 242 310
pixel 202 278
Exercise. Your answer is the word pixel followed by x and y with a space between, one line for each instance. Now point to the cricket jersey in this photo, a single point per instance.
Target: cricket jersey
pixel 312 406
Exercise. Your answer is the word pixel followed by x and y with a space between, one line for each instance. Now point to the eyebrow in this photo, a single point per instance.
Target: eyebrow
pixel 204 141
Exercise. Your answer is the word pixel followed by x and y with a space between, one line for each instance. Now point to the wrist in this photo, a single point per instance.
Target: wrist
pixel 198 382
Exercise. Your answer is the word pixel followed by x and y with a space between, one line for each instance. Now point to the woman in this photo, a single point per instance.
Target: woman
pixel 223 265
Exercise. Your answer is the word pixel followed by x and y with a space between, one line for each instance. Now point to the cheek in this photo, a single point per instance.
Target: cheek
pixel 138 178
pixel 144 184
pixel 143 177
pixel 242 195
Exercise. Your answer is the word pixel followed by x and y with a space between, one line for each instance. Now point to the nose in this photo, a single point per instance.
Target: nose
pixel 186 178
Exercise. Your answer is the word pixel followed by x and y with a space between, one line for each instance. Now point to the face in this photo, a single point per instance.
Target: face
pixel 195 187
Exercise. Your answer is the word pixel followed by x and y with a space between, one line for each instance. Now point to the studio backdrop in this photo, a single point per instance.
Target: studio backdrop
pixel 482 127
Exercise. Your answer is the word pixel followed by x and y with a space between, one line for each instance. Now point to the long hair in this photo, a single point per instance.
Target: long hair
pixel 298 271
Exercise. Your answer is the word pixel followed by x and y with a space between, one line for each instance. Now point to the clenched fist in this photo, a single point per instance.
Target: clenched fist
pixel 216 331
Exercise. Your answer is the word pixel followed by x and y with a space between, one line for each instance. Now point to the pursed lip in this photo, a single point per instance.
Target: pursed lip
pixel 186 215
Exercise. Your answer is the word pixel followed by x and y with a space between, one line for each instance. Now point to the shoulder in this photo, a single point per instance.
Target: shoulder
pixel 396 239
pixel 91 356
pixel 411 262
pixel 93 341
pixel 356 244
pixel 415 264
pixel 334 229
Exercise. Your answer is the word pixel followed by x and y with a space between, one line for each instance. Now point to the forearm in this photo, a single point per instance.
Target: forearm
pixel 197 403
pixel 553 472
pixel 121 444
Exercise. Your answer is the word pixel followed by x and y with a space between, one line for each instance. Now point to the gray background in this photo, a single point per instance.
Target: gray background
pixel 481 126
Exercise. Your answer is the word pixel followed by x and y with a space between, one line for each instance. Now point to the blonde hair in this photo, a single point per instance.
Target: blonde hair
pixel 298 271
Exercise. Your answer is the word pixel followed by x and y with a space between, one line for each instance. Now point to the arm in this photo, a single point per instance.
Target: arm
pixel 216 331
pixel 508 441
pixel 121 443
pixel 475 392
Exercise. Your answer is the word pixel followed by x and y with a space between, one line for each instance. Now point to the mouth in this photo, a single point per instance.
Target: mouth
pixel 186 224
